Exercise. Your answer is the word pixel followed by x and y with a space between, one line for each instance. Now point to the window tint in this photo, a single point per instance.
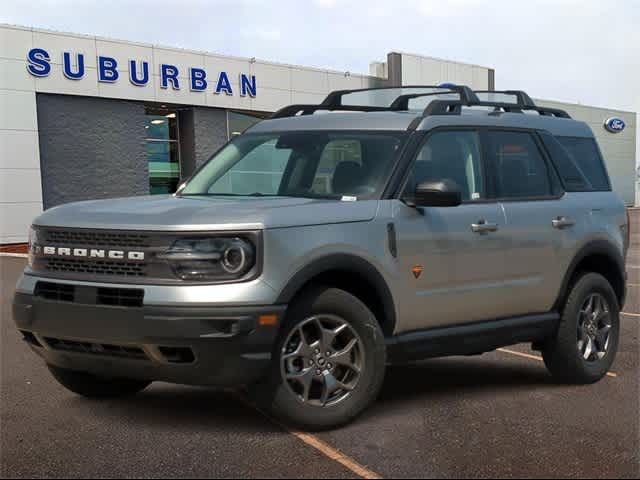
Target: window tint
pixel 573 177
pixel 454 156
pixel 336 152
pixel 318 164
pixel 584 152
pixel 260 170
pixel 520 169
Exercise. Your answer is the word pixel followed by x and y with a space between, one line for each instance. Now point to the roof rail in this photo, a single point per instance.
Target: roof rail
pixel 333 101
pixel 467 98
pixel 522 98
pixel 445 107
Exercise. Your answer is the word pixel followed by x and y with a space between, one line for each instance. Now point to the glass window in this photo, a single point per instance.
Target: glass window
pixel 260 170
pixel 163 153
pixel 584 152
pixel 300 164
pixel 454 156
pixel 335 152
pixel 521 171
pixel 573 177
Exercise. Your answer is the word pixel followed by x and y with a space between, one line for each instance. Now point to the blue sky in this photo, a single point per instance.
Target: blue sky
pixel 583 51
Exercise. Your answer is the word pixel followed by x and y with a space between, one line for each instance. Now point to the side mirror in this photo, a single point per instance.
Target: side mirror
pixel 444 193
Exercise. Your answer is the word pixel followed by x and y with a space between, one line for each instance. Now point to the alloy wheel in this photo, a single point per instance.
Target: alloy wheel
pixel 322 360
pixel 594 328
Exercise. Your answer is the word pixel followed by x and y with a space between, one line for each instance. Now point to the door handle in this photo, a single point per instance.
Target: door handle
pixel 484 227
pixel 562 222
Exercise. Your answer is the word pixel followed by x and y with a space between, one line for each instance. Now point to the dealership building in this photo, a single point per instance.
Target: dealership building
pixel 84 117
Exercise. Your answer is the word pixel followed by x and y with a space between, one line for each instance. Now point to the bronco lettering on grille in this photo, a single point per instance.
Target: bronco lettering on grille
pixel 92 253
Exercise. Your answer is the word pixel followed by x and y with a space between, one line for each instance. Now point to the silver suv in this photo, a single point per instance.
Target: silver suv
pixel 382 226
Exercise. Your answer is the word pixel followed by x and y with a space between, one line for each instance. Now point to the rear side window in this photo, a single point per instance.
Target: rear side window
pixel 573 178
pixel 521 171
pixel 585 154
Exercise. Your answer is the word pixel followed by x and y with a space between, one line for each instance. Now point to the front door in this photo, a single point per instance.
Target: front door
pixel 452 258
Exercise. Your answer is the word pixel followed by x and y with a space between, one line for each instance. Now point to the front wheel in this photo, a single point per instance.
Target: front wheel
pixel 329 362
pixel 92 386
pixel 587 339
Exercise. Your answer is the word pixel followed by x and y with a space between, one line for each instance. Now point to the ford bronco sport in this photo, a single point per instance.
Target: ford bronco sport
pixel 382 226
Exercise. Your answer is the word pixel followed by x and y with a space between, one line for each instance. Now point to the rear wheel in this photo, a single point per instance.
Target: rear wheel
pixel 92 386
pixel 587 339
pixel 329 362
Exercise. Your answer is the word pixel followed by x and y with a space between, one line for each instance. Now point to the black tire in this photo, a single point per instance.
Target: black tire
pixel 92 386
pixel 562 355
pixel 275 394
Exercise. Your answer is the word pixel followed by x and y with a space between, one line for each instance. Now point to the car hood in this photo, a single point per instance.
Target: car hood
pixel 170 213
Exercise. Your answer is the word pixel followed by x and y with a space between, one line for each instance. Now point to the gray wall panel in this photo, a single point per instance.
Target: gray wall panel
pixel 209 132
pixel 91 148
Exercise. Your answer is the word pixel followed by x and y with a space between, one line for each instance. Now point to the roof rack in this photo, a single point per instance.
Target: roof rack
pixel 466 98
pixel 334 101
pixel 445 107
pixel 522 98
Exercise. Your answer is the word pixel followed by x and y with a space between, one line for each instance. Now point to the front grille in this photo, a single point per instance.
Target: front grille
pixel 121 297
pixel 95 267
pixel 96 238
pixel 91 348
pixel 113 297
pixel 55 291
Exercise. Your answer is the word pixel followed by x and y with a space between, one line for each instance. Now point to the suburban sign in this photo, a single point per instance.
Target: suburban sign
pixel 109 70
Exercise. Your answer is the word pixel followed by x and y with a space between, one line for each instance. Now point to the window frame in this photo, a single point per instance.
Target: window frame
pixel 557 188
pixel 422 141
pixel 603 164
pixel 167 141
pixel 405 137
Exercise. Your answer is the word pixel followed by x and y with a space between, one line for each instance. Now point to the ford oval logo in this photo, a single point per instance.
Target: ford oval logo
pixel 614 125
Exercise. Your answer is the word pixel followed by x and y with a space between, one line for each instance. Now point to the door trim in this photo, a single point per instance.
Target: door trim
pixel 471 339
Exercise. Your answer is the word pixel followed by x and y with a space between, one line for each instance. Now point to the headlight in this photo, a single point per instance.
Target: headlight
pixel 218 258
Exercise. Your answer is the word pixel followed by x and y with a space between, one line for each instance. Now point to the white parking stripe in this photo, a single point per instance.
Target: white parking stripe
pixel 539 359
pixel 314 442
pixel 13 255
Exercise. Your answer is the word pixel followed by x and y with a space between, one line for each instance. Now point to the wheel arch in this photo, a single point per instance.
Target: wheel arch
pixel 600 257
pixel 352 274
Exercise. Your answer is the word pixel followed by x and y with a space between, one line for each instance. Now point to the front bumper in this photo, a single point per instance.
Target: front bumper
pixel 224 346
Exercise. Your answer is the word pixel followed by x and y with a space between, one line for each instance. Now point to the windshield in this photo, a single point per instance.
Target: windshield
pixel 300 164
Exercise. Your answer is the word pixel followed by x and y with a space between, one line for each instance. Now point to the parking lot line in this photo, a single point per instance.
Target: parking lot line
pixel 539 359
pixel 13 255
pixel 631 314
pixel 321 446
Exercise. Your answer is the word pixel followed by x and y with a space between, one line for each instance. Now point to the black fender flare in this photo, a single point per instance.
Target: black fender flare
pixel 350 263
pixel 595 247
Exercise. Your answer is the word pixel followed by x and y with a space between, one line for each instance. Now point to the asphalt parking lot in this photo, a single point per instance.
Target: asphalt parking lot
pixel 499 414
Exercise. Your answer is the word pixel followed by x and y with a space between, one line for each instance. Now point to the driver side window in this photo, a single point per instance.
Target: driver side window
pixel 454 156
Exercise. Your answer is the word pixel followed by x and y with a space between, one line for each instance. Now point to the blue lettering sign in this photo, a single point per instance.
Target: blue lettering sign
pixel 107 69
pixel 198 82
pixel 74 68
pixel 224 84
pixel 67 67
pixel 169 73
pixel 38 65
pixel 133 73
pixel 247 85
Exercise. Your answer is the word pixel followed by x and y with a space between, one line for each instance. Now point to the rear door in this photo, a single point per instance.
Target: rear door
pixel 530 194
pixel 452 258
